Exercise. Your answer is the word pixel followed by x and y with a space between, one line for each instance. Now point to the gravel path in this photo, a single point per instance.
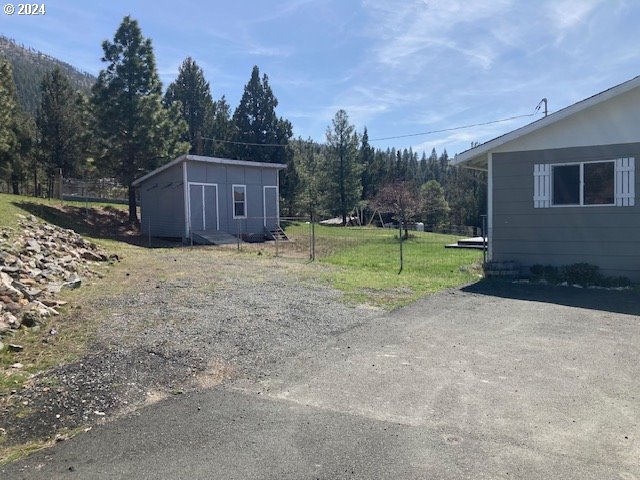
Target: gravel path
pixel 198 318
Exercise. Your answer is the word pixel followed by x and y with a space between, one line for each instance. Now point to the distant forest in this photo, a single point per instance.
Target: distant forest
pixel 54 117
pixel 29 67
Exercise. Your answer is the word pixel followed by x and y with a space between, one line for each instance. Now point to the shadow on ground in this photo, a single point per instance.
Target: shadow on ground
pixel 624 301
pixel 103 222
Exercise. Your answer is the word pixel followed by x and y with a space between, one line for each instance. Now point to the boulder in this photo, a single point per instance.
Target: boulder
pixel 31 318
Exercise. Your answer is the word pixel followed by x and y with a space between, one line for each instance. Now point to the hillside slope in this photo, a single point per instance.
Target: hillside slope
pixel 29 66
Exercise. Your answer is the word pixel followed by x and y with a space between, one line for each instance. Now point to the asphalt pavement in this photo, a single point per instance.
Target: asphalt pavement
pixel 491 381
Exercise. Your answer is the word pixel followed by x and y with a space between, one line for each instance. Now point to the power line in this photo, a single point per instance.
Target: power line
pixel 247 143
pixel 515 117
pixel 430 132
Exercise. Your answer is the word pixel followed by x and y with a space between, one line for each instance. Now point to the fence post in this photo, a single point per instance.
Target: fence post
pixel 238 232
pixel 313 238
pixel 484 239
pixel 149 229
pixel 401 256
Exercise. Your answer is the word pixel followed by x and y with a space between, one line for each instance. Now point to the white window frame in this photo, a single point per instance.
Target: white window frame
pixel 233 200
pixel 581 204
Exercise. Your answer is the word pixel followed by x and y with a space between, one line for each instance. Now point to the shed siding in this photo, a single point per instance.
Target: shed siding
pixel 225 176
pixel 162 204
pixel 605 236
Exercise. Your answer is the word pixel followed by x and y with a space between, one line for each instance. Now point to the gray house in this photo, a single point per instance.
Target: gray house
pixel 199 197
pixel 562 190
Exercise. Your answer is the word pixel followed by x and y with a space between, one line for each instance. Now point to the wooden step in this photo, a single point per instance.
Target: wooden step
pixel 276 233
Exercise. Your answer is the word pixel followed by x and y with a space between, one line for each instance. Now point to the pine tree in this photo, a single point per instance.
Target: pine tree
pixel 434 208
pixel 60 129
pixel 8 112
pixel 255 122
pixel 344 186
pixel 367 158
pixel 16 132
pixel 136 132
pixel 219 128
pixel 196 104
pixel 309 166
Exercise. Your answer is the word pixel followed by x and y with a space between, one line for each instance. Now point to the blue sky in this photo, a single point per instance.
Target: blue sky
pixel 396 66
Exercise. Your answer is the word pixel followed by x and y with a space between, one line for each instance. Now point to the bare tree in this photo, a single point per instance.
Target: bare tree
pixel 401 199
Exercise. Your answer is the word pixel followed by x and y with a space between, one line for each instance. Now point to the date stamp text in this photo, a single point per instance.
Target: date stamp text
pixel 26 9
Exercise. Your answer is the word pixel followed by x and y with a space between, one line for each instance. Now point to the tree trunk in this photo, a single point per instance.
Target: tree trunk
pixel 133 210
pixel 15 186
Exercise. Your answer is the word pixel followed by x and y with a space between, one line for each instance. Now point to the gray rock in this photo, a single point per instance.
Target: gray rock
pixel 74 282
pixel 31 318
pixel 14 347
pixel 33 245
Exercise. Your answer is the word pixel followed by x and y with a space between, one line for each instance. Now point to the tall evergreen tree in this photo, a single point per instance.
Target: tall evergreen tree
pixel 196 104
pixel 344 185
pixel 137 133
pixel 60 129
pixel 8 112
pixel 309 166
pixel 255 123
pixel 219 128
pixel 367 158
pixel 16 132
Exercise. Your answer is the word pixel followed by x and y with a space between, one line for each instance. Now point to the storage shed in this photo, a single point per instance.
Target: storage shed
pixel 562 190
pixel 200 198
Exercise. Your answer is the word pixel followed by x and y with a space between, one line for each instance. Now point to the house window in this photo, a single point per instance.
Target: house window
pixel 605 182
pixel 589 183
pixel 239 201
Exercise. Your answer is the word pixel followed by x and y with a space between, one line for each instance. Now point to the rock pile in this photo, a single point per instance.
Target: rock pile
pixel 36 263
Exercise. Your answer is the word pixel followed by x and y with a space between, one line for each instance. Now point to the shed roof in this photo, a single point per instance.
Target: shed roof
pixel 478 156
pixel 216 160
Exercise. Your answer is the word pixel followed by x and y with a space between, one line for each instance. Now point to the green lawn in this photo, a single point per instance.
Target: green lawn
pixel 368 262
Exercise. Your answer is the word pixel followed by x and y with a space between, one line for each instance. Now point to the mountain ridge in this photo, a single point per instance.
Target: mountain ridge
pixel 30 65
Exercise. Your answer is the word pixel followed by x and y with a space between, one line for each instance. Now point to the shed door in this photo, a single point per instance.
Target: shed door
pixel 196 208
pixel 211 207
pixel 271 215
pixel 203 207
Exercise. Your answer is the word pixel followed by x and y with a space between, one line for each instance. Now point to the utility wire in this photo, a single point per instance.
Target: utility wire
pixel 461 127
pixel 246 143
pixel 515 117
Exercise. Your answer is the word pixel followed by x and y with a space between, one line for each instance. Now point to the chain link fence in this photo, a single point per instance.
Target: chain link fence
pixel 379 249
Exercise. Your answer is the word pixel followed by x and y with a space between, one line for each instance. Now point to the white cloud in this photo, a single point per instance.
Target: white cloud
pixel 567 14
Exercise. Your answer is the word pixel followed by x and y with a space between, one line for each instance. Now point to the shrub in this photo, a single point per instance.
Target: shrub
pixel 581 274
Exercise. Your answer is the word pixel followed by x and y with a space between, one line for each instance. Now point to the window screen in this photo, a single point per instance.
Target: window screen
pixel 599 183
pixel 566 185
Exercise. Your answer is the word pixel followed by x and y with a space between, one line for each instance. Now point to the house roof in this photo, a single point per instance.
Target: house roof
pixel 200 158
pixel 478 156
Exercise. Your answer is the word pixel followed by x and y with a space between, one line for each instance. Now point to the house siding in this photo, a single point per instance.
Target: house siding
pixel 162 204
pixel 605 236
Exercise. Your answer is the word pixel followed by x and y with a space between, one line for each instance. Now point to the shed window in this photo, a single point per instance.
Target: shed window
pixel 590 183
pixel 239 201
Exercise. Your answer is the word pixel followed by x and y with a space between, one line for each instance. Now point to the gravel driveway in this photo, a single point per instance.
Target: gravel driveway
pixel 495 382
pixel 188 319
